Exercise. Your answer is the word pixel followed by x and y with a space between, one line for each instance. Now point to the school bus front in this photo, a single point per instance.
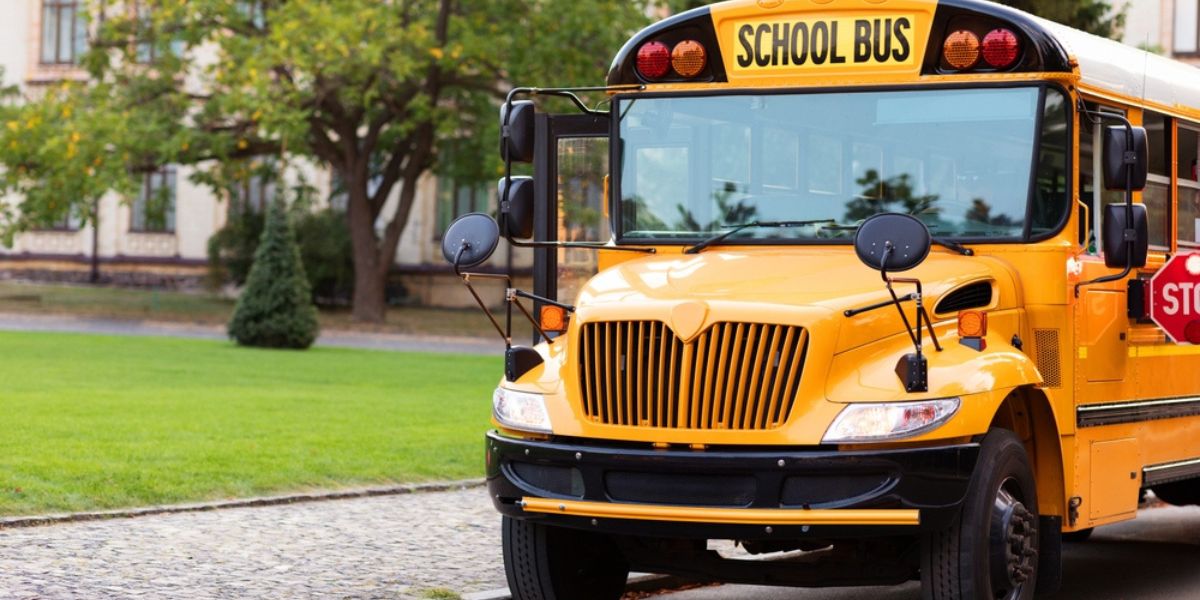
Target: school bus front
pixel 754 361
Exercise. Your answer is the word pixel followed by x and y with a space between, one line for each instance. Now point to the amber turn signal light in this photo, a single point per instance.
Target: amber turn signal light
pixel 972 324
pixel 553 318
pixel 688 58
pixel 961 49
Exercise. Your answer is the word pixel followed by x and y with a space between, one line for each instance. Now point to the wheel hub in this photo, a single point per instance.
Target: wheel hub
pixel 1014 539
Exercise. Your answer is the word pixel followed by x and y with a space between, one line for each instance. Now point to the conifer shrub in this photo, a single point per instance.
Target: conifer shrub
pixel 275 309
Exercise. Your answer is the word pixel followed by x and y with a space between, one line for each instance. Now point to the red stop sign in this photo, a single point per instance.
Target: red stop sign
pixel 1175 298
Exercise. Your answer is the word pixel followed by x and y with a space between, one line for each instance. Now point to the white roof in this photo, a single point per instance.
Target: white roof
pixel 1111 65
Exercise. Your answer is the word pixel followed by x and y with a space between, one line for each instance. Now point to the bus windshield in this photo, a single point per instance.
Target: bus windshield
pixel 973 164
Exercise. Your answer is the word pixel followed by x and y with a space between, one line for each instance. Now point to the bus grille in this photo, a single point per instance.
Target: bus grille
pixel 740 376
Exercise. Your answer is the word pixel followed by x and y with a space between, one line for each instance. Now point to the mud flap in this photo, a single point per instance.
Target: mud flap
pixel 1049 578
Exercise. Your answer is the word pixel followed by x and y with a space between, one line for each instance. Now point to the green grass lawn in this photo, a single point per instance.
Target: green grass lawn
pixel 92 422
pixel 206 308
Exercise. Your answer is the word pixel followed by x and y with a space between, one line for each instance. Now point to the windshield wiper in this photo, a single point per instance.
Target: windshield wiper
pixel 724 235
pixel 955 246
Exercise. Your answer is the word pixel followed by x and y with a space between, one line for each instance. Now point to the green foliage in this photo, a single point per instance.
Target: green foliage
pixel 61 153
pixel 1092 16
pixel 324 250
pixel 367 88
pixel 231 248
pixel 328 258
pixel 275 309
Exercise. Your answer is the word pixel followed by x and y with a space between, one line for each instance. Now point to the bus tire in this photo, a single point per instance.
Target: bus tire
pixel 554 563
pixel 990 551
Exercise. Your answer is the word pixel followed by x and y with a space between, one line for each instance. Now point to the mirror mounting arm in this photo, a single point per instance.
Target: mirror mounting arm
pixel 1129 235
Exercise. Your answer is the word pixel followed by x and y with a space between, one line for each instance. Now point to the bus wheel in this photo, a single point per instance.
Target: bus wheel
pixel 991 550
pixel 553 563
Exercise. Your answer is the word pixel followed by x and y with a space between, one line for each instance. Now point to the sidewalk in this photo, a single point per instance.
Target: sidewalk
pixel 408 546
pixel 333 338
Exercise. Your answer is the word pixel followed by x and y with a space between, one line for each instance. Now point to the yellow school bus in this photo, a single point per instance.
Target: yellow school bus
pixel 860 286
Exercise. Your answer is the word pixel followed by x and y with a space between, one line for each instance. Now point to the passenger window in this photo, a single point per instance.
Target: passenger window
pixel 1189 188
pixel 1091 188
pixel 1157 195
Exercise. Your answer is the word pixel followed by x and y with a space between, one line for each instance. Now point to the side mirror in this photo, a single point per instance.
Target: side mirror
pixel 516 207
pixel 1117 150
pixel 1115 243
pixel 892 242
pixel 518 136
pixel 470 240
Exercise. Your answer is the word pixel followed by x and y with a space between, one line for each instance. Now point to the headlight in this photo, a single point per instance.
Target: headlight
pixel 881 421
pixel 521 410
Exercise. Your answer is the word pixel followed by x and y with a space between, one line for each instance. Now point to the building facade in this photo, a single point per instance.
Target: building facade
pixel 159 236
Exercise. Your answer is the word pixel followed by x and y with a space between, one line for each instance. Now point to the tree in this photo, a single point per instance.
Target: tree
pixel 369 88
pixel 275 309
pixel 61 154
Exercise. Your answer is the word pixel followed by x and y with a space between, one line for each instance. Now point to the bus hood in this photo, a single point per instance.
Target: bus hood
pixel 810 287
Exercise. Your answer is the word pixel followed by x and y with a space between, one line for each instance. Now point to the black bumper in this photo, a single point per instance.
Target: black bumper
pixel 932 480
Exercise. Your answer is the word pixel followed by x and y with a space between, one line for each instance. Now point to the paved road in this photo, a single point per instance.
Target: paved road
pixel 342 339
pixel 395 547
pixel 1156 557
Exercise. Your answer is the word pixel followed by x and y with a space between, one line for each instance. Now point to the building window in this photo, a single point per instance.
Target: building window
pixel 149 47
pixel 64 32
pixel 68 221
pixel 455 199
pixel 254 193
pixel 154 208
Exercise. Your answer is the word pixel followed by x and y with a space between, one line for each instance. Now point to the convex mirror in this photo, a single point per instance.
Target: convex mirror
pixel 519 135
pixel 1115 244
pixel 1116 147
pixel 470 240
pixel 892 242
pixel 516 202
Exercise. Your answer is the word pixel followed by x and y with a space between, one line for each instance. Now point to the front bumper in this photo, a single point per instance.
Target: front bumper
pixel 728 494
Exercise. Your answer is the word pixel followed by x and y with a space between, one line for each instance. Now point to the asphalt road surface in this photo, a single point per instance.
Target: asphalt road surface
pixel 1156 557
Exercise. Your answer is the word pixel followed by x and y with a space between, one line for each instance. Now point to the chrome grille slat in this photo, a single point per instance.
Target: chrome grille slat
pixel 741 376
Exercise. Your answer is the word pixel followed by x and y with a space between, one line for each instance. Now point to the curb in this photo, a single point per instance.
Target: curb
pixel 638 582
pixel 129 513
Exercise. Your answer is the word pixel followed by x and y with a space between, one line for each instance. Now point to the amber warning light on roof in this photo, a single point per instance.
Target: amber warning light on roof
pixel 825 42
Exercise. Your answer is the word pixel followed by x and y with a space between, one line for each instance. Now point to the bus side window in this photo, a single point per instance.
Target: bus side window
pixel 1188 232
pixel 1157 195
pixel 1091 187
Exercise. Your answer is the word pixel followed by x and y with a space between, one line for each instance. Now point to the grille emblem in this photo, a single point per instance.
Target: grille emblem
pixel 687 319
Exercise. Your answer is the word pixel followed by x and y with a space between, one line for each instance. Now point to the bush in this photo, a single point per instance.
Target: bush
pixel 231 249
pixel 275 309
pixel 328 257
pixel 324 248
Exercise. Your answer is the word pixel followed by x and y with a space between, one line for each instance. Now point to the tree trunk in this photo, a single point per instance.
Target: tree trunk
pixel 370 301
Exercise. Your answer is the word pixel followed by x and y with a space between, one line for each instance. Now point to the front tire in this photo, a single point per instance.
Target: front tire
pixel 990 551
pixel 554 563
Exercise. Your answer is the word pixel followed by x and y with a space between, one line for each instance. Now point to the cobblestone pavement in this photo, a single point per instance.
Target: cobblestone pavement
pixel 392 547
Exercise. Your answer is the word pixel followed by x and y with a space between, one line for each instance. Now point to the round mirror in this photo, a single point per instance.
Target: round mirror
pixel 906 236
pixel 470 240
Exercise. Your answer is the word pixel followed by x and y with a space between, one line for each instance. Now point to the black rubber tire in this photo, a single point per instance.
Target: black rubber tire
pixel 1077 537
pixel 554 563
pixel 956 562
